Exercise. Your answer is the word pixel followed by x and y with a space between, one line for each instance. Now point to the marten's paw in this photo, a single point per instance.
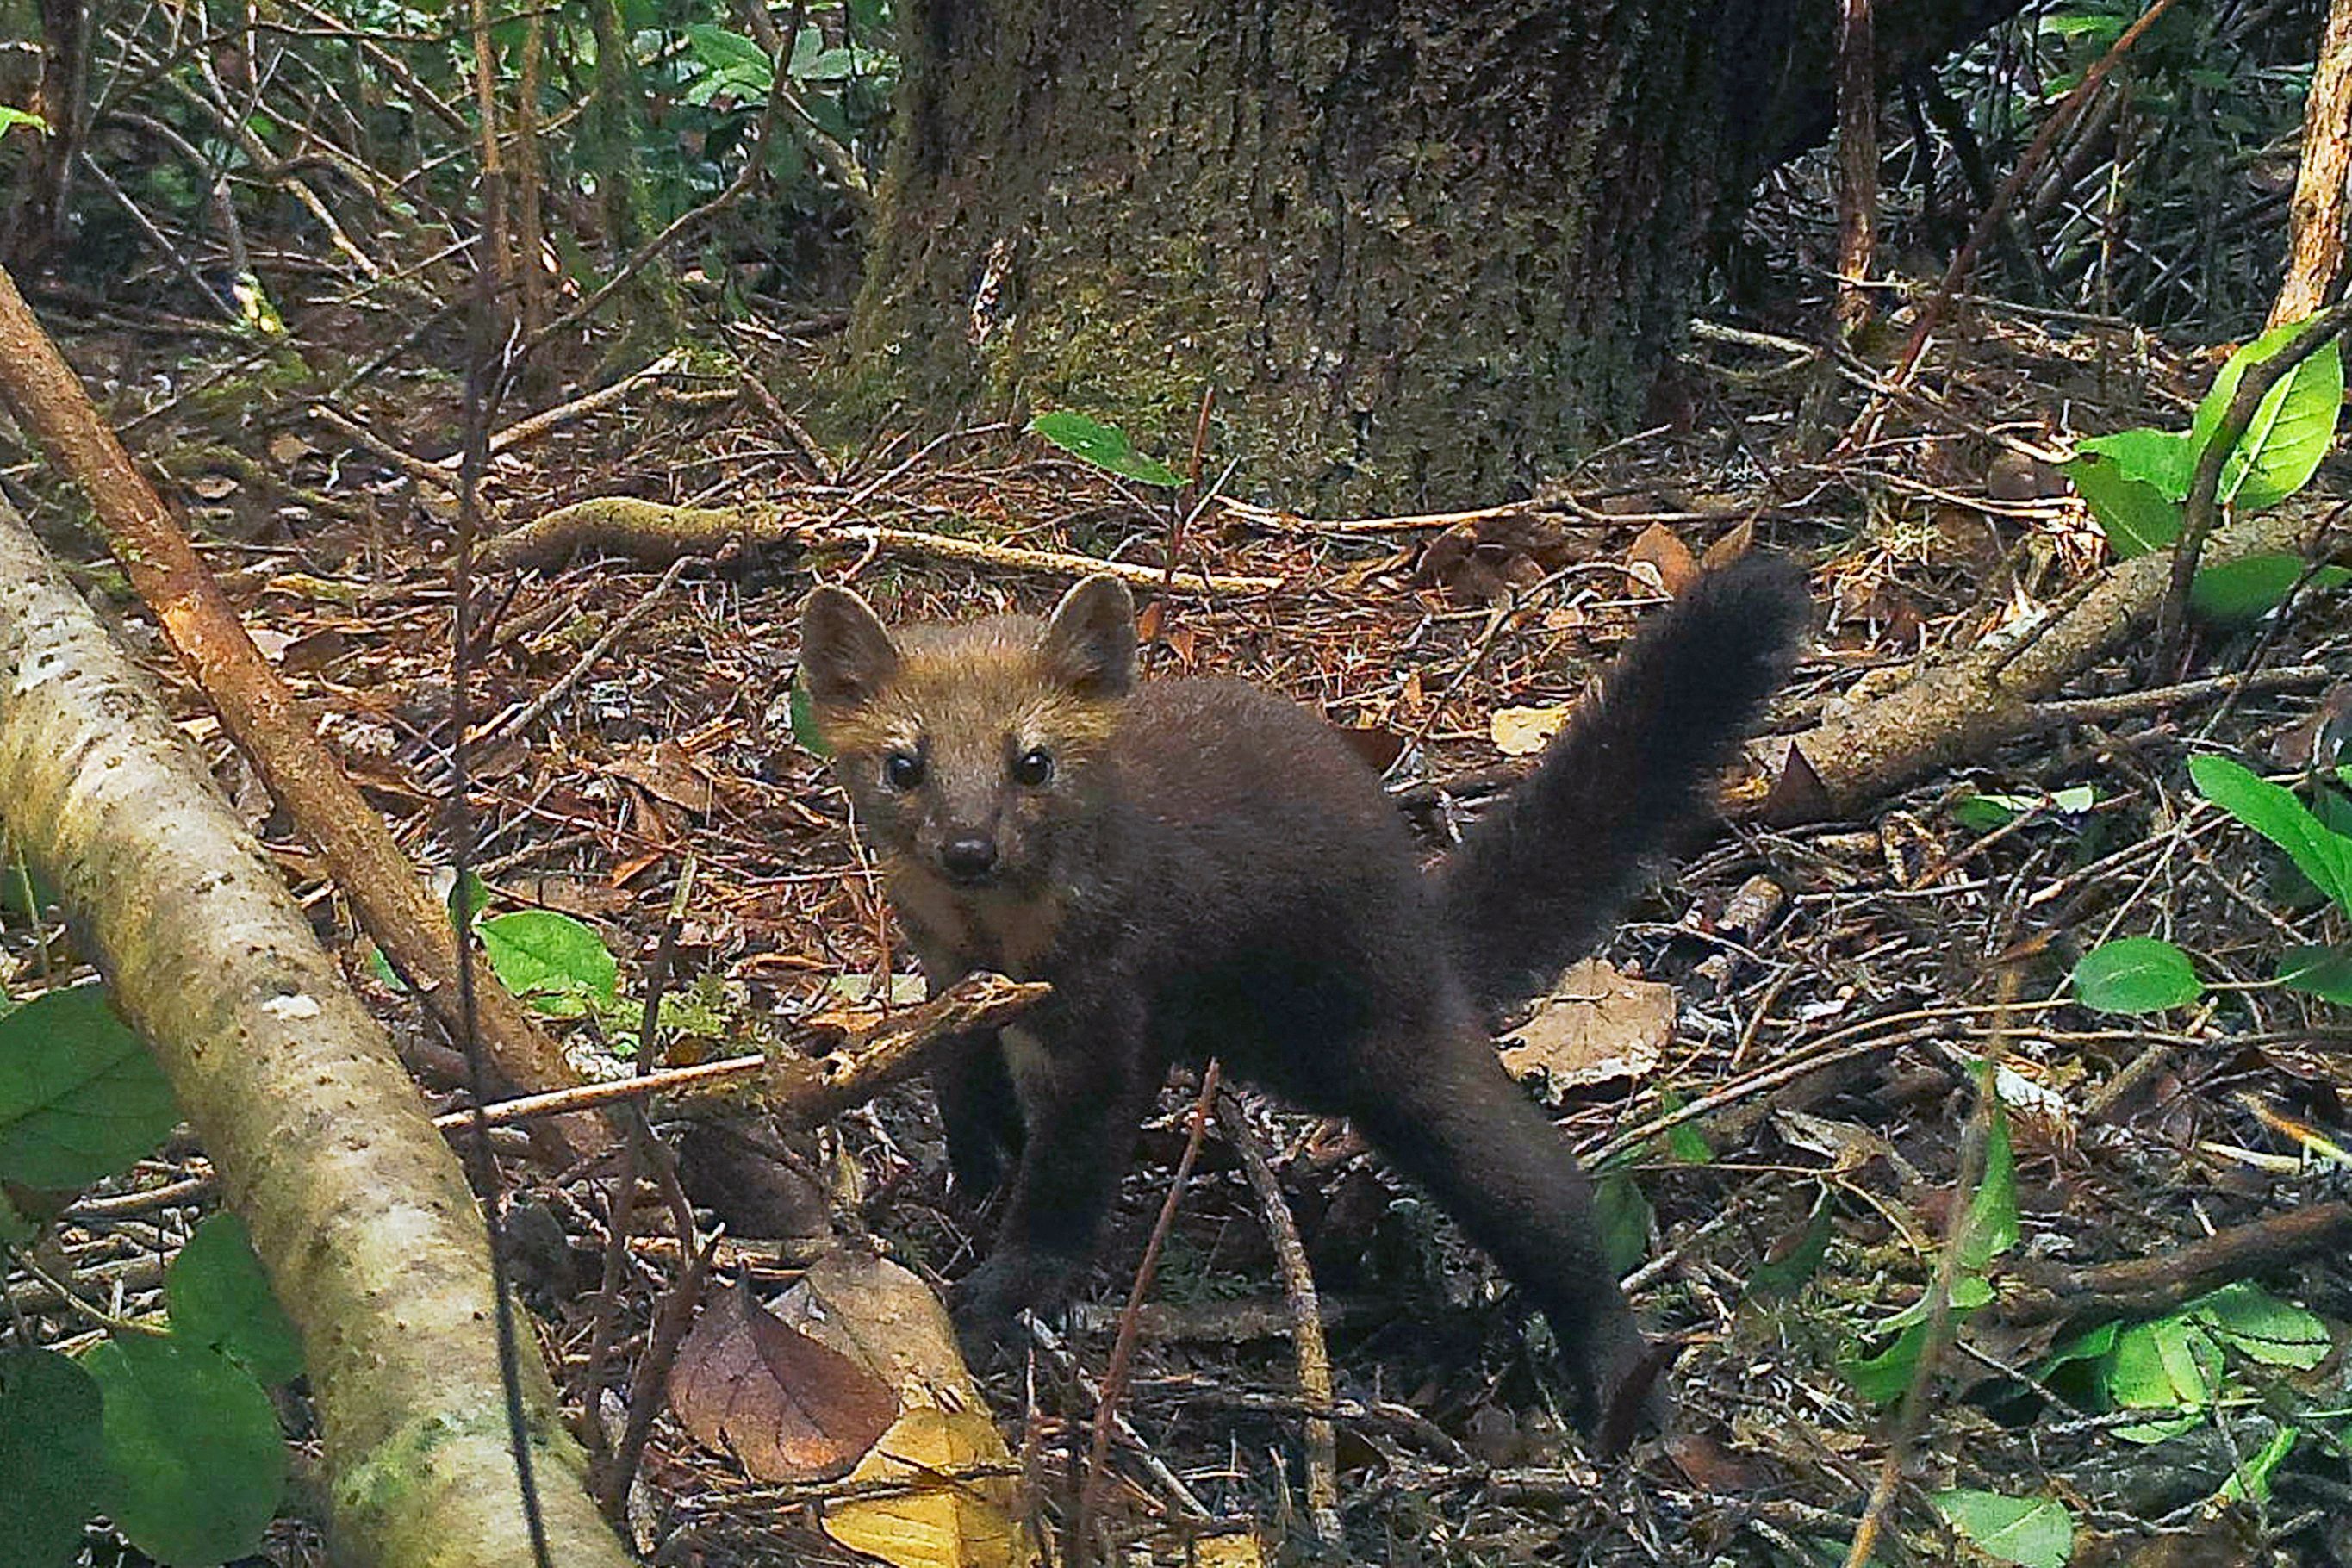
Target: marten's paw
pixel 988 1302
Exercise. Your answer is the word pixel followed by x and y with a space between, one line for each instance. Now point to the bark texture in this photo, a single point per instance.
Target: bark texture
pixel 357 1207
pixel 1419 248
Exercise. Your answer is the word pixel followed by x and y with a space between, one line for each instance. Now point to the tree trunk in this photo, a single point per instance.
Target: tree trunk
pixel 357 1207
pixel 1421 249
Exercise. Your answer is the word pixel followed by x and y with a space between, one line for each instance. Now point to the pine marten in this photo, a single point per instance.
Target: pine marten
pixel 1205 870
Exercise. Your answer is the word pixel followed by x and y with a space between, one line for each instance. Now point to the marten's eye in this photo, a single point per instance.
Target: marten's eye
pixel 1034 769
pixel 902 770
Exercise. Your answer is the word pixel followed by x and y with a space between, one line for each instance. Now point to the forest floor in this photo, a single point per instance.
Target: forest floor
pixel 1783 1231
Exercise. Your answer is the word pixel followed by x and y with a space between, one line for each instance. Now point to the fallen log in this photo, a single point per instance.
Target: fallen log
pixel 357 1207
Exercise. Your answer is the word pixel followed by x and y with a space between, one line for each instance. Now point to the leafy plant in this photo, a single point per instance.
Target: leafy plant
pixel 81 1098
pixel 2176 1366
pixel 2147 974
pixel 2035 1532
pixel 1991 1229
pixel 2135 482
pixel 552 962
pixel 168 1430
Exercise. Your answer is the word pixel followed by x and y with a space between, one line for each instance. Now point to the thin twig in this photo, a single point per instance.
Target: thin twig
pixel 1122 1350
pixel 626 622
pixel 1305 1316
pixel 1939 1326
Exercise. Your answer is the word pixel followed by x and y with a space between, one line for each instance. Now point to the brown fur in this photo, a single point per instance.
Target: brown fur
pixel 1206 870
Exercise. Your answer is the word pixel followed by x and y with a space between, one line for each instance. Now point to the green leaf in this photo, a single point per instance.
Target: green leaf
pixel 2322 972
pixel 1104 446
pixel 2136 975
pixel 2034 1532
pixel 10 119
pixel 2273 811
pixel 1983 813
pixel 805 728
pixel 1881 1379
pixel 552 961
pixel 2253 1478
pixel 381 967
pixel 1992 1213
pixel 2167 1364
pixel 2251 588
pixel 219 1296
pixel 1684 1143
pixel 2136 516
pixel 2256 1324
pixel 79 1097
pixel 194 1462
pixel 52 1457
pixel 2292 425
pixel 1623 1215
pixel 731 55
pixel 1784 1275
pixel 2162 459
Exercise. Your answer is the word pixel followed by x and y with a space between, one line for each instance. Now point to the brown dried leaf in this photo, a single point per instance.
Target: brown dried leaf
pixel 887 1321
pixel 1669 560
pixel 1478 560
pixel 1798 795
pixel 1598 1025
pixel 1714 1469
pixel 787 1407
pixel 1730 547
pixel 667 771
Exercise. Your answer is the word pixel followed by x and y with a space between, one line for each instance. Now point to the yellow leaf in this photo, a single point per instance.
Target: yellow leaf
pixel 1228 1551
pixel 1523 732
pixel 945 1522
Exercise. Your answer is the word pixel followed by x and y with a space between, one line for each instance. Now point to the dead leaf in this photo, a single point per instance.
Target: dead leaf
pixel 1238 1550
pixel 1798 795
pixel 946 1522
pixel 1847 1145
pixel 887 1321
pixel 1478 560
pixel 1523 731
pixel 668 772
pixel 1751 907
pixel 787 1407
pixel 1598 1025
pixel 1713 1467
pixel 213 486
pixel 1669 560
pixel 2319 740
pixel 286 448
pixel 1730 547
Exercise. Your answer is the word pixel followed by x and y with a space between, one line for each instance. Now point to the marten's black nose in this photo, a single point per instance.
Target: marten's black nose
pixel 969 859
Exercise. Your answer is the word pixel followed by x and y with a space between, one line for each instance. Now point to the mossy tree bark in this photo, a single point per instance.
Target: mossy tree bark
pixel 1421 248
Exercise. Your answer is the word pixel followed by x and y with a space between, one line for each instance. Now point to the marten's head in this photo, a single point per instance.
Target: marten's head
pixel 966 746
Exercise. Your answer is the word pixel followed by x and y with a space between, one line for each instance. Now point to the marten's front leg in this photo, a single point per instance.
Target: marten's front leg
pixel 1084 1077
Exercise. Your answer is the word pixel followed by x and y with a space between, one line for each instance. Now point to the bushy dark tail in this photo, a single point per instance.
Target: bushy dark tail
pixel 1538 882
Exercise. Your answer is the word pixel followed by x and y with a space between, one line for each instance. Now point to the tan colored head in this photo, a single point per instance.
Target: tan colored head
pixel 966 746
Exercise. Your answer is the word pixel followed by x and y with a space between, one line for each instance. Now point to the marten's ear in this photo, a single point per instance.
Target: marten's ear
pixel 1089 644
pixel 846 653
